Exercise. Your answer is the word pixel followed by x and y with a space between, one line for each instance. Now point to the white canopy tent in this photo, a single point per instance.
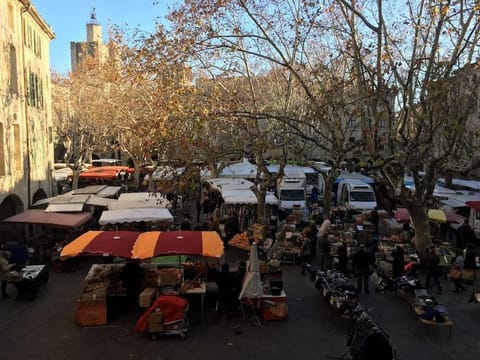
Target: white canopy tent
pixel 230 183
pixel 135 215
pixel 145 197
pixel 135 204
pixel 246 197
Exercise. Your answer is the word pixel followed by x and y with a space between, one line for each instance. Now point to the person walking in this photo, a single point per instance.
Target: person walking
pixel 132 277
pixel 431 265
pixel 306 252
pixel 470 265
pixel 398 264
pixel 362 263
pixel 343 258
pixel 313 235
pixel 4 269
pixel 324 244
pixel 456 272
pixel 225 283
pixel 375 218
pixel 232 225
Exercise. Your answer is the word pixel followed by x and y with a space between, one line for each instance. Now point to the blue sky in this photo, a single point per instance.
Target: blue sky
pixel 68 18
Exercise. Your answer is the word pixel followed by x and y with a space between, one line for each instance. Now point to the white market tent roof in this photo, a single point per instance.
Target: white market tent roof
pixel 72 203
pixel 62 174
pixel 237 191
pixel 354 175
pixel 230 183
pixel 245 197
pixel 238 196
pixel 438 191
pixel 242 170
pixel 148 199
pixel 135 215
pixel 290 171
pixel 466 184
pixel 460 200
pixel 166 172
pixel 98 190
pixel 136 204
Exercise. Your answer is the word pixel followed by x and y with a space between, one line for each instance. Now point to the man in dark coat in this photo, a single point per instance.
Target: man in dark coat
pixel 232 225
pixel 225 283
pixel 362 263
pixel 431 265
pixel 398 256
pixel 343 258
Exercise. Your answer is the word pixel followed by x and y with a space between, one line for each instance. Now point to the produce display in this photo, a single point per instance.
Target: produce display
pixel 241 241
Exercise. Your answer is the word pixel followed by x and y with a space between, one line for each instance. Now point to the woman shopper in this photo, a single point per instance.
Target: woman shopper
pixel 456 272
pixel 470 266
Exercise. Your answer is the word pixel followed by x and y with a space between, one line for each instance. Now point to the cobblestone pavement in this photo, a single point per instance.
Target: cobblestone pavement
pixel 44 328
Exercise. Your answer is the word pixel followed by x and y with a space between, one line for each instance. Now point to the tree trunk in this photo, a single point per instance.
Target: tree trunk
pixel 422 228
pixel 261 195
pixel 327 197
pixel 75 178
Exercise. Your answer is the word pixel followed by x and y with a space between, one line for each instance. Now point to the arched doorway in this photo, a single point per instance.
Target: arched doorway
pixel 10 206
pixel 39 195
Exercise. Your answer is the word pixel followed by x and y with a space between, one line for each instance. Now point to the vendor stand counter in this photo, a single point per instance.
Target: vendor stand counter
pixel 418 305
pixel 28 280
pixel 290 248
pixel 101 283
pixel 274 307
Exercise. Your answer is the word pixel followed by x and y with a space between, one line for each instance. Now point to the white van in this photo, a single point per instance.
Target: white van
pixel 356 195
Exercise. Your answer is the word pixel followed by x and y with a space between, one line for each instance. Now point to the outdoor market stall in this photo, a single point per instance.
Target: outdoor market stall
pixel 263 295
pixel 156 217
pixel 142 246
pixel 48 228
pixel 235 194
pixel 28 280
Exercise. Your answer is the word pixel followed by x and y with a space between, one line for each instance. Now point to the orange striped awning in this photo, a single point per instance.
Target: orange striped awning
pixel 157 243
pixel 116 243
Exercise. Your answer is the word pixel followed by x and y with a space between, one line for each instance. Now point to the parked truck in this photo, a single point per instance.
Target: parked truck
pixel 356 195
pixel 291 191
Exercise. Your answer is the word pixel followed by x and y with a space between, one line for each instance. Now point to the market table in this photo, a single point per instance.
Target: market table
pixel 428 323
pixel 418 310
pixel 197 291
pixel 28 280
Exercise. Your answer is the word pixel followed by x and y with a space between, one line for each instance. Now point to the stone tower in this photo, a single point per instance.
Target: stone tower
pixel 93 47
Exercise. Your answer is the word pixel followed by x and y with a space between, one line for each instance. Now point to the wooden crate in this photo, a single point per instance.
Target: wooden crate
pixel 91 313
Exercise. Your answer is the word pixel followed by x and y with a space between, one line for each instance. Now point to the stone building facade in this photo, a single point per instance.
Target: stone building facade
pixel 26 144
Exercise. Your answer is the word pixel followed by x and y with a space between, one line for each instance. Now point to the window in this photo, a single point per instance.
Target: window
pixel 13 70
pixel 34 90
pixel 2 152
pixel 17 149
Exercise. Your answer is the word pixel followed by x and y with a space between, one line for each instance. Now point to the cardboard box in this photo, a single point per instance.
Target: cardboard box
pixel 155 317
pixel 155 327
pixel 147 296
pixel 155 322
